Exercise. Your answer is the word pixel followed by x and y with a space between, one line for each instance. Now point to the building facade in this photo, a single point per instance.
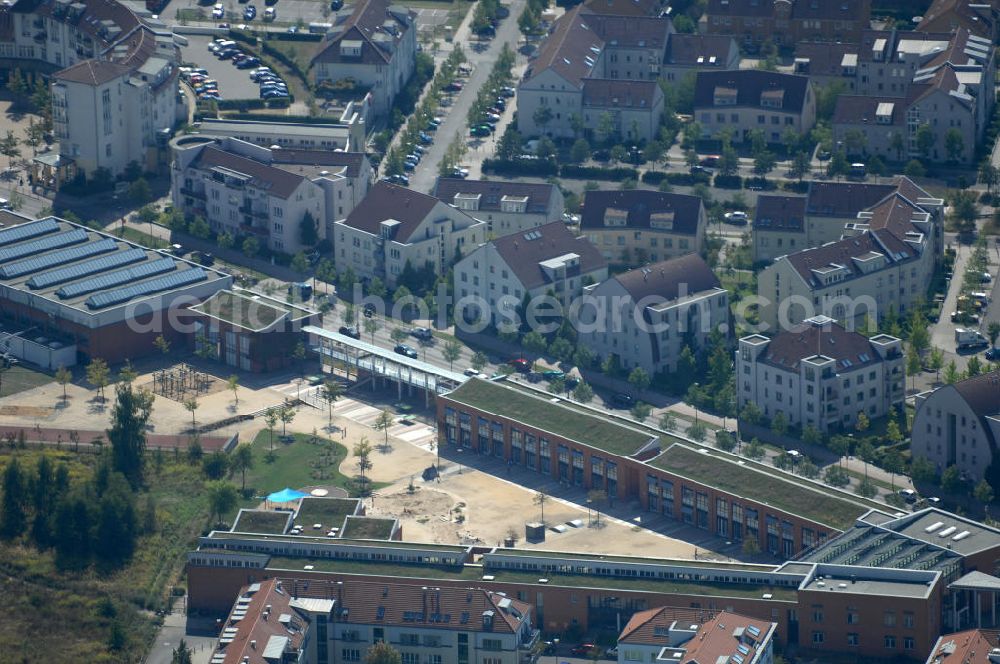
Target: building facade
pixel 786 22
pixel 394 227
pixel 748 100
pixel 636 226
pixel 820 375
pixel 958 425
pixel 506 207
pixel 687 54
pixel 645 317
pixel 658 635
pixel 504 273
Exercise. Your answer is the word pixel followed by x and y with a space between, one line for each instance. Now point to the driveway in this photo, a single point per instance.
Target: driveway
pixel 198 634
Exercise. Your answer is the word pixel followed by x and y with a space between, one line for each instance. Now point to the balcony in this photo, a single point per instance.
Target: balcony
pixel 256 230
pixel 247 210
pixel 191 193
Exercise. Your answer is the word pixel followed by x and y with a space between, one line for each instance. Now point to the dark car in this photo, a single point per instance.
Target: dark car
pixel 548 648
pixel 369 310
pixel 205 258
pixel 571 383
pixel 520 364
pixel 695 170
pixel 600 155
pixel 534 377
pixel 479 131
pixel 351 332
pixel 403 349
pixel 336 5
pixel 622 400
pixel 454 86
pixel 422 333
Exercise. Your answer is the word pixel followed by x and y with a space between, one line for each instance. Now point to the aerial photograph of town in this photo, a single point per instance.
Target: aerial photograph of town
pixel 499 332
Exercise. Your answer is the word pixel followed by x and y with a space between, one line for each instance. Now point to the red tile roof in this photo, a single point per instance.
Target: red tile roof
pixel 362 25
pixel 259 626
pixel 648 627
pixel 948 15
pixel 969 647
pixel 720 638
pixel 523 255
pixel 625 7
pixel 92 72
pixel 569 49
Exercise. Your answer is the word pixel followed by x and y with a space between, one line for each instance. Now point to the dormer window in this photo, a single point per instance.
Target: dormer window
pixel 772 99
pixel 662 221
pixel 725 96
pixel 615 217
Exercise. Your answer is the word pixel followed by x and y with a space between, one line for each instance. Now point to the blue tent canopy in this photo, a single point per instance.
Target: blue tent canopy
pixel 286 495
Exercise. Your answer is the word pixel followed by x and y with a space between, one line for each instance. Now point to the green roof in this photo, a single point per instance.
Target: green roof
pixel 261 521
pixel 226 535
pixel 761 484
pixel 252 312
pixel 599 557
pixel 474 574
pixel 574 424
pixel 366 527
pixel 329 512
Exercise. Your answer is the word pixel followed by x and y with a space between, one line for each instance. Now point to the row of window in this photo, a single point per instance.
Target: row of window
pixel 854 639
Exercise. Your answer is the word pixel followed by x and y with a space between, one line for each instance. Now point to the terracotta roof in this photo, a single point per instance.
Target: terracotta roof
pixel 895 213
pixel 352 161
pixel 255 632
pixel 717 640
pixel 784 213
pixel 569 49
pixel 92 72
pixel 843 199
pixel 649 627
pixel 832 340
pixel 625 7
pixel 523 251
pixel 387 201
pixel 629 31
pixel 639 204
pixel 843 252
pixel 982 393
pixel 861 109
pixel 969 647
pixel 364 24
pixel 750 84
pixel 683 49
pixel 492 191
pixel 840 10
pixel 947 15
pixel 618 93
pixel 275 181
pixel 668 280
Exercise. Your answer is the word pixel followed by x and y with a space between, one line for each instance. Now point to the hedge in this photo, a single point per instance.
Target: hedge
pixel 728 181
pixel 246 104
pixel 653 177
pixel 538 167
pixel 294 36
pixel 597 173
pixel 687 179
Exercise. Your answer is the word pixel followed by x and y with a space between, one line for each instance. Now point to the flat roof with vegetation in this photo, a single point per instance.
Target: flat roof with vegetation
pixel 328 512
pixel 261 521
pixel 474 574
pixel 600 557
pixel 207 544
pixel 763 485
pixel 538 412
pixel 248 310
pixel 366 527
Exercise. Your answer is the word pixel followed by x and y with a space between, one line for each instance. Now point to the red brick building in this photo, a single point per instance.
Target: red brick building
pixel 787 22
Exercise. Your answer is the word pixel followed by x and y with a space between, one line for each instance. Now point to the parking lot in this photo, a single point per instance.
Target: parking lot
pixel 233 83
pixel 289 11
pixel 429 18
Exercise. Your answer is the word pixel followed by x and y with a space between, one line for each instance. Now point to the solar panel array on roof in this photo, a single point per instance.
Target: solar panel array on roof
pixel 44 244
pixel 25 231
pixel 57 258
pixel 80 270
pixel 118 278
pixel 120 295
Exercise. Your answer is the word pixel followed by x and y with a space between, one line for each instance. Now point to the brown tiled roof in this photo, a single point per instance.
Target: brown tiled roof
pixel 843 199
pixel 738 8
pixel 825 58
pixel 860 109
pixel 869 37
pixel 969 647
pixel 750 84
pixel 254 630
pixel 523 251
pixel 895 214
pixel 274 181
pixel 830 10
pixel 982 393
pixel 647 627
pixel 362 25
pixel 567 48
pixel 807 339
pixel 387 201
pixel 618 93
pixel 780 213
pixel 685 49
pixel 716 641
pixel 640 204
pixel 944 79
pixel 844 251
pixel 947 15
pixel 625 7
pixel 629 31
pixel 669 279
pixel 492 191
pixel 353 161
pixel 92 72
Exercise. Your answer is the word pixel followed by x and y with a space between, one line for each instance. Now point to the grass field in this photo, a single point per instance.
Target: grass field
pixel 57 617
pixel 299 464
pixel 145 239
pixel 19 379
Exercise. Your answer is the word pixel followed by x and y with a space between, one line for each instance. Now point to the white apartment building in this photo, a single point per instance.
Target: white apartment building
pixel 243 189
pixel 547 260
pixel 506 207
pixel 115 95
pixel 347 135
pixel 374 43
pixel 669 634
pixel 959 425
pixel 644 317
pixel 592 66
pixel 395 226
pixel 746 100
pixel 819 374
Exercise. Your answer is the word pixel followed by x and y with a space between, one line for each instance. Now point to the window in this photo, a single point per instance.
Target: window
pixel 852 638
pixel 350 655
pixel 890 641
pixel 817 638
pixel 817 616
pixel 908 643
pixel 410 658
pixel 908 619
pixel 889 619
pixel 491 644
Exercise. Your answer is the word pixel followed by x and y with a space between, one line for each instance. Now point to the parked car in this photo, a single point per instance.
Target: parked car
pixel 571 382
pixel 270 14
pixel 336 5
pixel 369 310
pixel 454 86
pixel 250 12
pixel 993 354
pixel 622 400
pixel 507 91
pixel 479 131
pixel 403 349
pixel 736 217
pixel 423 333
pixel 399 178
pixel 351 332
pixel 695 170
pixel 218 11
pixel 460 173
pixel 425 138
pixel 582 649
pixel 248 62
pixel 520 364
pixel 909 495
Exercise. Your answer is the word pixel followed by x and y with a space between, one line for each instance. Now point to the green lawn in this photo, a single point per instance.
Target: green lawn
pixel 145 239
pixel 329 512
pixel 19 379
pixel 363 527
pixel 260 521
pixel 298 464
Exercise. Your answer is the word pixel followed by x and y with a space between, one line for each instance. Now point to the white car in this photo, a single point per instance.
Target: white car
pixel 218 11
pixel 270 14
pixel 736 217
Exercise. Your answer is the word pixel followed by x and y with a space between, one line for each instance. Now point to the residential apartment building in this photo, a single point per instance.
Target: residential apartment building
pixel 656 635
pixel 247 190
pixel 828 63
pixel 114 94
pixel 819 374
pixel 646 316
pixel 591 67
pixel 968 647
pixel 688 54
pixel 505 272
pixel 787 224
pixel 506 207
pixel 374 44
pixel 740 102
pixel 787 22
pixel 395 226
pixel 959 425
pixel 981 18
pixel 637 8
pixel 346 136
pixel 636 226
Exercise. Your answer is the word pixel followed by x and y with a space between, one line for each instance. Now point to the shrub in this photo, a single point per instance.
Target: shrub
pixel 597 173
pixel 728 181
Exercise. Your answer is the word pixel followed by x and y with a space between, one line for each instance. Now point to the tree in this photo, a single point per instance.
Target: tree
pixel 964 210
pixel 951 479
pixel 641 410
pixel 225 241
pixel 540 499
pixel 127 434
pixel 729 161
pixel 800 166
pixel 974 367
pixel 951 374
pixel 724 440
pixel 892 462
pixel 241 462
pixel 779 424
pixel 892 432
pixel 866 452
pixel 763 163
pixel 836 476
pixel 215 465
pixel 299 262
pixel 838 165
pixel 542 116
pixel 698 432
pixel 639 379
pixel 63 377
pixel 181 654
pixel 452 351
pixel 954 144
pixel 13 517
pixel 594 498
pixel 668 421
pixel 331 391
pixel 862 423
pixel 913 364
pixel 382 653
pixel 162 345
pixel 936 362
pixel 286 415
pixel 607 127
pixel 811 435
pixel 897 144
pixel 251 247
pixel 993 331
pixel 580 151
pixel 191 406
pixel 363 452
pixel 983 492
pixel 140 192
pixel 583 392
pixel 383 422
pixel 308 231
pixel 693 397
pixel 233 382
pixel 925 140
pixel 866 488
pixel 914 169
pixel 222 498
pixel 479 360
pixel 534 343
pixel 98 375
pixel 271 420
pixel 922 470
pixel 755 450
pixel 9 147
